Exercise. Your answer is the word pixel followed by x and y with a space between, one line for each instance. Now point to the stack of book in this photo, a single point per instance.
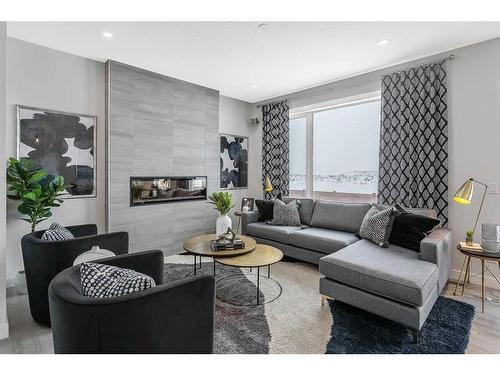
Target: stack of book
pixel 227 245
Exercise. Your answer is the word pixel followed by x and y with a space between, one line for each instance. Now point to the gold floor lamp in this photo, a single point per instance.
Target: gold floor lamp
pixel 464 196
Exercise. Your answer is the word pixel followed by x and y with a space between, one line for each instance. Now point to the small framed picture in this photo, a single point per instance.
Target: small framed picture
pixel 247 204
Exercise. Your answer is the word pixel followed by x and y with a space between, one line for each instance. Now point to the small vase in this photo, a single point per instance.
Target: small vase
pixel 469 241
pixel 223 222
pixel 20 283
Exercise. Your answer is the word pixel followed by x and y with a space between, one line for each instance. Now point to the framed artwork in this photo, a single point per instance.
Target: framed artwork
pixel 247 204
pixel 63 144
pixel 233 161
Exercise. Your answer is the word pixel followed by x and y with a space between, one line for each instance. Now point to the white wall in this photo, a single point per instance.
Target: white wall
pixel 4 327
pixel 41 77
pixel 234 118
pixel 474 117
pixel 474 130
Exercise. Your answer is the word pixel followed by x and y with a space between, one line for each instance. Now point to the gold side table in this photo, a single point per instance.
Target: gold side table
pixel 478 253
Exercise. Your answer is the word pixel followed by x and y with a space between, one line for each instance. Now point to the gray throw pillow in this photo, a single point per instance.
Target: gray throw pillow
pixel 57 232
pixel 104 281
pixel 285 214
pixel 377 225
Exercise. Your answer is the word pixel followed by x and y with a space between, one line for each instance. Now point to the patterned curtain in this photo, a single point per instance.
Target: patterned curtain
pixel 413 165
pixel 275 161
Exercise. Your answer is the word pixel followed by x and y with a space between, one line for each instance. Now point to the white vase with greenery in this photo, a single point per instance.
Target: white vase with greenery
pixel 223 202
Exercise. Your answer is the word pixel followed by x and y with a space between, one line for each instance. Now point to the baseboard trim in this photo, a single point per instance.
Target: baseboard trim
pixel 489 281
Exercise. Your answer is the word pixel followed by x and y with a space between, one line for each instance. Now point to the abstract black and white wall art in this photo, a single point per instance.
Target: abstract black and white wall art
pixel 233 161
pixel 62 143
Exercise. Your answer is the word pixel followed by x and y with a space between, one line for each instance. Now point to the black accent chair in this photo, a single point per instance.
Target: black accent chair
pixel 43 260
pixel 176 317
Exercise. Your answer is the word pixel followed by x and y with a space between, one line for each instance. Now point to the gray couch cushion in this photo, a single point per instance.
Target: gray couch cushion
pixel 271 232
pixel 305 208
pixel 322 240
pixel 345 217
pixel 393 272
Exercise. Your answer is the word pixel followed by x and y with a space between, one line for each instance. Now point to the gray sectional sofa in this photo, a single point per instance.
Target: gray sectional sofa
pixel 396 283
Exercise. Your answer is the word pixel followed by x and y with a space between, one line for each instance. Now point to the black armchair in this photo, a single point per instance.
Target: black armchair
pixel 45 259
pixel 176 317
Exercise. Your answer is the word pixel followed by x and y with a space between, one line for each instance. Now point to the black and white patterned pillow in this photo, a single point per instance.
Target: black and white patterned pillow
pixel 377 225
pixel 285 214
pixel 103 281
pixel 57 232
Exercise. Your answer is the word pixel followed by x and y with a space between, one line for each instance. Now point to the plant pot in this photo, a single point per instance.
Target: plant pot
pixel 223 222
pixel 469 241
pixel 20 283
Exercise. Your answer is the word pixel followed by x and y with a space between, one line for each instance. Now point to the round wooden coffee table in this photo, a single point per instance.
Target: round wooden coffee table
pixel 262 256
pixel 200 246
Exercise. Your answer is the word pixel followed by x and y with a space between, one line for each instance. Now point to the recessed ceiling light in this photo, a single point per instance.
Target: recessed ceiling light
pixel 253 86
pixel 383 42
pixel 107 35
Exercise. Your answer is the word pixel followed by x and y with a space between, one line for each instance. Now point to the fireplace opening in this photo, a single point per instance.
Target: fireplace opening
pixel 150 190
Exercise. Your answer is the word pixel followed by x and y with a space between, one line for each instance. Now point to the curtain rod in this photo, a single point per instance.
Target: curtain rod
pixel 443 59
pixel 449 57
pixel 273 102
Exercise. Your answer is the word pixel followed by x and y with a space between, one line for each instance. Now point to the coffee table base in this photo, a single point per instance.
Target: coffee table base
pixel 258 281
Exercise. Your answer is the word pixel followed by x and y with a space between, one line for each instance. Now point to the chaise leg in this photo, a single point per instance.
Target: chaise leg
pixel 324 298
pixel 416 335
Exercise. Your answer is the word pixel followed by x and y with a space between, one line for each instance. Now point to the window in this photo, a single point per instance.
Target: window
pixel 334 152
pixel 297 136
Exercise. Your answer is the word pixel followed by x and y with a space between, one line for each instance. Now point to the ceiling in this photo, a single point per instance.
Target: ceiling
pixel 252 63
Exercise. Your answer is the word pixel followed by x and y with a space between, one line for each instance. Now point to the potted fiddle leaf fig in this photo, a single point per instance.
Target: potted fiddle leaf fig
pixel 37 192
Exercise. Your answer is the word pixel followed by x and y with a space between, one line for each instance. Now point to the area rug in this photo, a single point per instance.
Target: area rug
pixel 297 323
pixel 238 329
pixel 446 331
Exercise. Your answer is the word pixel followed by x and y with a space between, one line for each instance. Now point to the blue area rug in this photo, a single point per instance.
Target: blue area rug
pixel 446 331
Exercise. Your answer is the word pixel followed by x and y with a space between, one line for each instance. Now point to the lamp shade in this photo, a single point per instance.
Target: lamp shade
pixel 268 187
pixel 464 194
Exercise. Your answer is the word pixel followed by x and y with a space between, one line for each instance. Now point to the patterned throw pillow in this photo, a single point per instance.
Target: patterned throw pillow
pixel 57 232
pixel 103 281
pixel 377 225
pixel 285 214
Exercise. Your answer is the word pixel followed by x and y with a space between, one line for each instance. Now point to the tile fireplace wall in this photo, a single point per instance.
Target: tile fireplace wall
pixel 159 126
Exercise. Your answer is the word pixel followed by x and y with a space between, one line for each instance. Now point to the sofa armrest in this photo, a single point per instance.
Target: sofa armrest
pixel 247 218
pixel 437 248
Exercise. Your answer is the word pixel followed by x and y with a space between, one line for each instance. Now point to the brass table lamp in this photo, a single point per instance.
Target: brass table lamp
pixel 267 186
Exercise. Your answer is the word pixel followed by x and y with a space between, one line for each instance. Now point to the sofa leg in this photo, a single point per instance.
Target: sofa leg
pixel 416 335
pixel 324 298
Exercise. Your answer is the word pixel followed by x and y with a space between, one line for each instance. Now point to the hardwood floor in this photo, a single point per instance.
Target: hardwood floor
pixel 26 336
pixel 485 331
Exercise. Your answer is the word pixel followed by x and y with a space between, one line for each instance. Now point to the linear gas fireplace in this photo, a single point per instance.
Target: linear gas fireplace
pixel 149 190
